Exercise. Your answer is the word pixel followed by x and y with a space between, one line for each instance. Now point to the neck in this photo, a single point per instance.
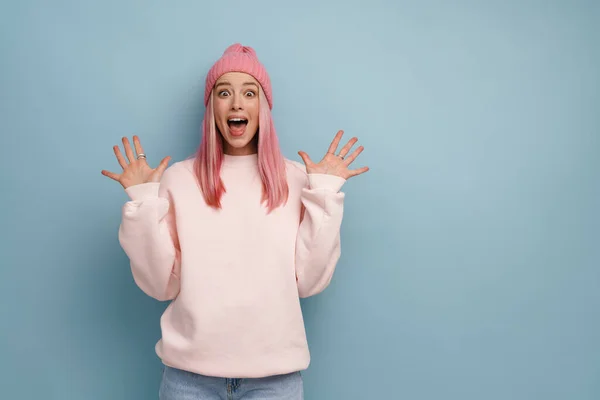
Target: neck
pixel 244 151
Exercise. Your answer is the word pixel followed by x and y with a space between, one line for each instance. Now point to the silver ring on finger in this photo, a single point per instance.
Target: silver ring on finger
pixel 141 155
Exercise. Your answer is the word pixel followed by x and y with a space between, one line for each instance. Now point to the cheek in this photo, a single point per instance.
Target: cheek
pixel 219 108
pixel 220 112
pixel 253 111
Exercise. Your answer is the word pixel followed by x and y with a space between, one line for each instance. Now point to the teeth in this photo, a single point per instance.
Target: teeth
pixel 236 119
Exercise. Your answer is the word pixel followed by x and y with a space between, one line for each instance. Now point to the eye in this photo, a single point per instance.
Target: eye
pixel 250 93
pixel 223 93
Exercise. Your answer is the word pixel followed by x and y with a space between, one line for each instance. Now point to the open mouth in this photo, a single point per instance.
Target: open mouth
pixel 237 123
pixel 237 126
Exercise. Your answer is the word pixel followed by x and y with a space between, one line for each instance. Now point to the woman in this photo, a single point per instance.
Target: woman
pixel 234 236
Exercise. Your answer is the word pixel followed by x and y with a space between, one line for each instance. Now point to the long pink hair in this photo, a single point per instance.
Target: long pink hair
pixel 271 164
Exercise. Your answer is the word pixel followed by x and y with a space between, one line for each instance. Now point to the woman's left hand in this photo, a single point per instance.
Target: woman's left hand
pixel 333 164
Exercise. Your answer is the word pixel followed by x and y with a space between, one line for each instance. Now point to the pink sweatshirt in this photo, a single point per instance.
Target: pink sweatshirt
pixel 235 275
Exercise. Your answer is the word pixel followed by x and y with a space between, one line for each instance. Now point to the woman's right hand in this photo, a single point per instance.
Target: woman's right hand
pixel 137 171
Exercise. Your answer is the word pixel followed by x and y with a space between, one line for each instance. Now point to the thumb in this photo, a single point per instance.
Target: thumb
pixel 305 158
pixel 163 164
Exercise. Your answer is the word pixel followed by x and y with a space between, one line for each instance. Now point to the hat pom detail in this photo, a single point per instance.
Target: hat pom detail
pixel 238 48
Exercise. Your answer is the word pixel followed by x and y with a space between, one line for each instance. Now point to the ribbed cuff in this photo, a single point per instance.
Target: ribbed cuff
pixel 326 181
pixel 143 191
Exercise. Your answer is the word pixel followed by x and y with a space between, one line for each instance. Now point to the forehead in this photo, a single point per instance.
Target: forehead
pixel 236 78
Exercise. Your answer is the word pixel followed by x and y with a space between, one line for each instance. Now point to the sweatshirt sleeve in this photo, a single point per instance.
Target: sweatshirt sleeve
pixel 318 242
pixel 148 236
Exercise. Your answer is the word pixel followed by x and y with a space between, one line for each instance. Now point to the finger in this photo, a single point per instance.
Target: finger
pixel 163 165
pixel 111 175
pixel 138 145
pixel 305 158
pixel 128 150
pixel 348 160
pixel 348 146
pixel 120 157
pixel 336 141
pixel 359 171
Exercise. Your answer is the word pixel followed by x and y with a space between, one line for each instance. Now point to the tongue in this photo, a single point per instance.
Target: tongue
pixel 237 128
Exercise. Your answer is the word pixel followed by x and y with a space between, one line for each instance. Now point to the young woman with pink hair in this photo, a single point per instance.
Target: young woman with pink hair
pixel 234 237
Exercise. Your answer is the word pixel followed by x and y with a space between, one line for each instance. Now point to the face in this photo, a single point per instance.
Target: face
pixel 236 106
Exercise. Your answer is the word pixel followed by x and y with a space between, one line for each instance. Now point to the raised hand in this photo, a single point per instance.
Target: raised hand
pixel 333 164
pixel 137 171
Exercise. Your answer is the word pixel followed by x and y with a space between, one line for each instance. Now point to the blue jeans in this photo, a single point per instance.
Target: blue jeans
pixel 178 384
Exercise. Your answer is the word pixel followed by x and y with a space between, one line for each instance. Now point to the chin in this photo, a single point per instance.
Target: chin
pixel 239 142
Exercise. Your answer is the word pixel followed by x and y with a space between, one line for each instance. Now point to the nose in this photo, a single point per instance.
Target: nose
pixel 236 103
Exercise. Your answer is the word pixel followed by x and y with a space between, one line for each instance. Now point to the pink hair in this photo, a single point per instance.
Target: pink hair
pixel 271 164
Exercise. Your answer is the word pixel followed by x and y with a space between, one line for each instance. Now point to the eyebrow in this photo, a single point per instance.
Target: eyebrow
pixel 223 83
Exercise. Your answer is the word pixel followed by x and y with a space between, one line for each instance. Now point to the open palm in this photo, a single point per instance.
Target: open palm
pixel 333 164
pixel 137 171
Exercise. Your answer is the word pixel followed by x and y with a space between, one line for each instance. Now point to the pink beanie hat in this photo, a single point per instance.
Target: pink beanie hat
pixel 238 58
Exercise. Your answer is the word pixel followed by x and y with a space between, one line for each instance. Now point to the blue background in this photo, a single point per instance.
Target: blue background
pixel 471 250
